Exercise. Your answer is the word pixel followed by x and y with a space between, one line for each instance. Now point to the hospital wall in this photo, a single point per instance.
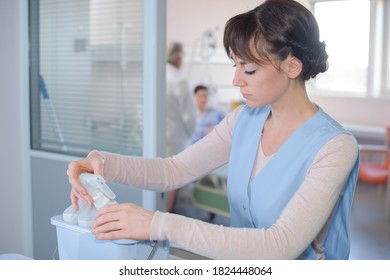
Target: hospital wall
pixel 15 191
pixel 33 185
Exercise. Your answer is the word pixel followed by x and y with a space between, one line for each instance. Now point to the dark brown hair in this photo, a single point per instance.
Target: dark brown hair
pixel 277 28
pixel 200 87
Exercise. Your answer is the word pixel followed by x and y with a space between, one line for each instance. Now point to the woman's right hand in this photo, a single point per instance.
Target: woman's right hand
pixel 93 163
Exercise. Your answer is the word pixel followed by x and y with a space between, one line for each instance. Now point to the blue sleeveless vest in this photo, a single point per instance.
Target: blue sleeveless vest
pixel 258 204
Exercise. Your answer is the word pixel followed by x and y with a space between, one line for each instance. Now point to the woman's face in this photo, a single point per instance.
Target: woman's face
pixel 259 84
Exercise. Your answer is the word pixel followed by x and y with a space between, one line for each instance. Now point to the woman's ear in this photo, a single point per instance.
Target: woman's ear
pixel 292 66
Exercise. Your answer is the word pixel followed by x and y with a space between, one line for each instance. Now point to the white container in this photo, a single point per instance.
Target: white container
pixel 78 243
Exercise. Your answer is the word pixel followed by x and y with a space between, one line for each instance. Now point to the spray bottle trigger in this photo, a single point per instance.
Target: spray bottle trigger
pixel 102 186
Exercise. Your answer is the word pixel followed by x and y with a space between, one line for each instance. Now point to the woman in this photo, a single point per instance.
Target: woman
pixel 292 168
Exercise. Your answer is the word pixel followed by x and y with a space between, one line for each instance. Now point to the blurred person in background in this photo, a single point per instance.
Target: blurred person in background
pixel 207 116
pixel 181 111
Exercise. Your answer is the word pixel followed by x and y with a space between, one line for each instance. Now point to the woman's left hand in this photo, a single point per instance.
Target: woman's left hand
pixel 117 221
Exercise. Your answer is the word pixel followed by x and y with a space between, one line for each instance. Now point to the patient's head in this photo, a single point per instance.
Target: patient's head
pixel 201 93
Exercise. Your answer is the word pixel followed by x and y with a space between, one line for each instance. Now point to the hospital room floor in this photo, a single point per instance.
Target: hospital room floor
pixel 370 233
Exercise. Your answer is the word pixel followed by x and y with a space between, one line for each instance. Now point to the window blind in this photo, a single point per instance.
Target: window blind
pixel 86 75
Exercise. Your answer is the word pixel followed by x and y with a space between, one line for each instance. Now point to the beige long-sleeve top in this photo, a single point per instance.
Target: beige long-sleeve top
pixel 303 221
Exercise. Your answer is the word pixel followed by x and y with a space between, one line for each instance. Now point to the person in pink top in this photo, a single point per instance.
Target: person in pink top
pixel 292 168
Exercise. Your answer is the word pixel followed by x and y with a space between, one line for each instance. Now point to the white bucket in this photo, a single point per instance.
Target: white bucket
pixel 78 243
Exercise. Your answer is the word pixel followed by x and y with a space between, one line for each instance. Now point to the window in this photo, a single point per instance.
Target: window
pixel 357 42
pixel 86 75
pixel 346 41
